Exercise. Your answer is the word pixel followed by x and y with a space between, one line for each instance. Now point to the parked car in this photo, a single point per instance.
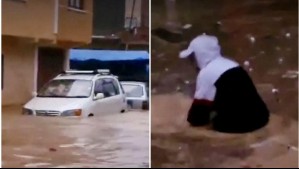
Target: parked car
pixel 79 93
pixel 136 94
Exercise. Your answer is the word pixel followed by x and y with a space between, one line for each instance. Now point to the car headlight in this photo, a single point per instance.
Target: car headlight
pixel 76 112
pixel 27 111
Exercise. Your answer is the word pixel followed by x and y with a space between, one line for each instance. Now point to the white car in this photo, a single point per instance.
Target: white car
pixel 137 94
pixel 79 93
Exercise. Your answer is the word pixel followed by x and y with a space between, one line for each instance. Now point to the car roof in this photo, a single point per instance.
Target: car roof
pixel 82 76
pixel 132 82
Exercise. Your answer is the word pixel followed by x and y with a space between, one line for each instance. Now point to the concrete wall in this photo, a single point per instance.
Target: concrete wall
pixel 32 18
pixel 75 26
pixel 19 66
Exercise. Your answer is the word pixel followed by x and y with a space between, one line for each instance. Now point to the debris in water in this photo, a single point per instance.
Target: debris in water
pixel 187 82
pixel 250 69
pixel 52 149
pixel 290 147
pixel 166 69
pixel 280 60
pixel 251 38
pixel 180 148
pixel 275 91
pixel 219 22
pixel 187 26
pixel 288 35
pixel 246 63
pixel 291 74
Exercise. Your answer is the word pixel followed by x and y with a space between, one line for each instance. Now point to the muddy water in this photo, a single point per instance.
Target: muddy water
pixel 118 140
pixel 262 33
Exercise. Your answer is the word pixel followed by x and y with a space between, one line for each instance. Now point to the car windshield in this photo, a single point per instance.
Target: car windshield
pixel 133 90
pixel 68 88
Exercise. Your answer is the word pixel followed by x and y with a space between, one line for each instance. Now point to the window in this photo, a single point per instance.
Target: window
pixel 77 4
pixel 133 90
pixel 107 87
pixel 115 84
pixel 66 88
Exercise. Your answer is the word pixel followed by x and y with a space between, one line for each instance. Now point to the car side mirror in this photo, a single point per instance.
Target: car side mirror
pixel 99 96
pixel 34 94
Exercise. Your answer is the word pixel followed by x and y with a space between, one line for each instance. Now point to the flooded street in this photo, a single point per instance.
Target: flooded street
pixel 262 36
pixel 117 140
pixel 176 144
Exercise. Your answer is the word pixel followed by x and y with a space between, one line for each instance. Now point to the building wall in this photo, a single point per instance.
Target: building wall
pixel 31 18
pixel 75 26
pixel 19 68
pixel 29 24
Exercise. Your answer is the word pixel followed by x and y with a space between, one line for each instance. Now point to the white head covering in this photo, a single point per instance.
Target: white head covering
pixel 205 48
pixel 208 57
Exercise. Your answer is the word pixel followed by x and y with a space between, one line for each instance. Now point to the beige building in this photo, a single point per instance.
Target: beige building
pixel 36 37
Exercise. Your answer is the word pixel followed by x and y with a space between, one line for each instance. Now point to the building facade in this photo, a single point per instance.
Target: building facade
pixel 36 37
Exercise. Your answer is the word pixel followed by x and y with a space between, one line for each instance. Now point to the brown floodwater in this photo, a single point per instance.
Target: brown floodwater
pixel 116 140
pixel 262 33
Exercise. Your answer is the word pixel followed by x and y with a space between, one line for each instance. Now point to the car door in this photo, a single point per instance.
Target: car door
pixel 120 98
pixel 104 105
pixel 113 101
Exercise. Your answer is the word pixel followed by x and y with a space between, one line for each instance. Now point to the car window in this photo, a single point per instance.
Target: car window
pixel 66 88
pixel 133 90
pixel 106 86
pixel 116 86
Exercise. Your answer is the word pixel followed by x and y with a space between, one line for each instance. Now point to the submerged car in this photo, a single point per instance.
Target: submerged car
pixel 136 94
pixel 79 93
